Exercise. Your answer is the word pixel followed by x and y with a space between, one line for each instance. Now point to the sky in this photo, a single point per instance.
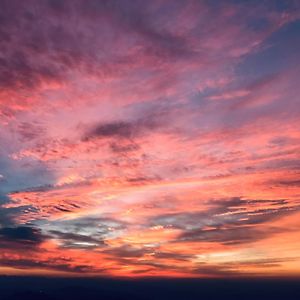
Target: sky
pixel 150 138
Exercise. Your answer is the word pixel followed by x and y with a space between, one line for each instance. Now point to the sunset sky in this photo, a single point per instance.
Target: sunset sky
pixel 150 138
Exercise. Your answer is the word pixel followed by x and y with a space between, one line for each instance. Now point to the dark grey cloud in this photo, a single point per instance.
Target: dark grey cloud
pixel 174 256
pixel 114 129
pixel 21 233
pixel 58 265
pixel 21 236
pixel 233 269
pixel 98 223
pixel 127 251
pixel 77 241
pixel 83 233
pixel 231 221
pixel 151 117
pixel 124 147
pixel 227 236
pixel 122 129
pixel 154 264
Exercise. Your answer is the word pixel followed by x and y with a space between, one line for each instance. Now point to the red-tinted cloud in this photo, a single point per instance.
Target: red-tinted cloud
pixel 149 139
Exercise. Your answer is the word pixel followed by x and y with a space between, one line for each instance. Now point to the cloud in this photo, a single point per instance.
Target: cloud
pixel 236 268
pixel 18 72
pixel 40 47
pixel 47 264
pixel 77 241
pixel 127 251
pixel 84 232
pixel 8 215
pixel 30 131
pixel 119 118
pixel 228 236
pixel 25 236
pixel 230 222
pixel 288 183
pixel 151 118
pixel 116 129
pixel 124 147
pixel 21 233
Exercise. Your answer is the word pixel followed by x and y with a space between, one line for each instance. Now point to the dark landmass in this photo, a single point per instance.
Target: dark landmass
pixel 33 288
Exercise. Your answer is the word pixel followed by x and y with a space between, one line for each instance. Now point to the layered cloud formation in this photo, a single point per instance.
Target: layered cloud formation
pixel 150 138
